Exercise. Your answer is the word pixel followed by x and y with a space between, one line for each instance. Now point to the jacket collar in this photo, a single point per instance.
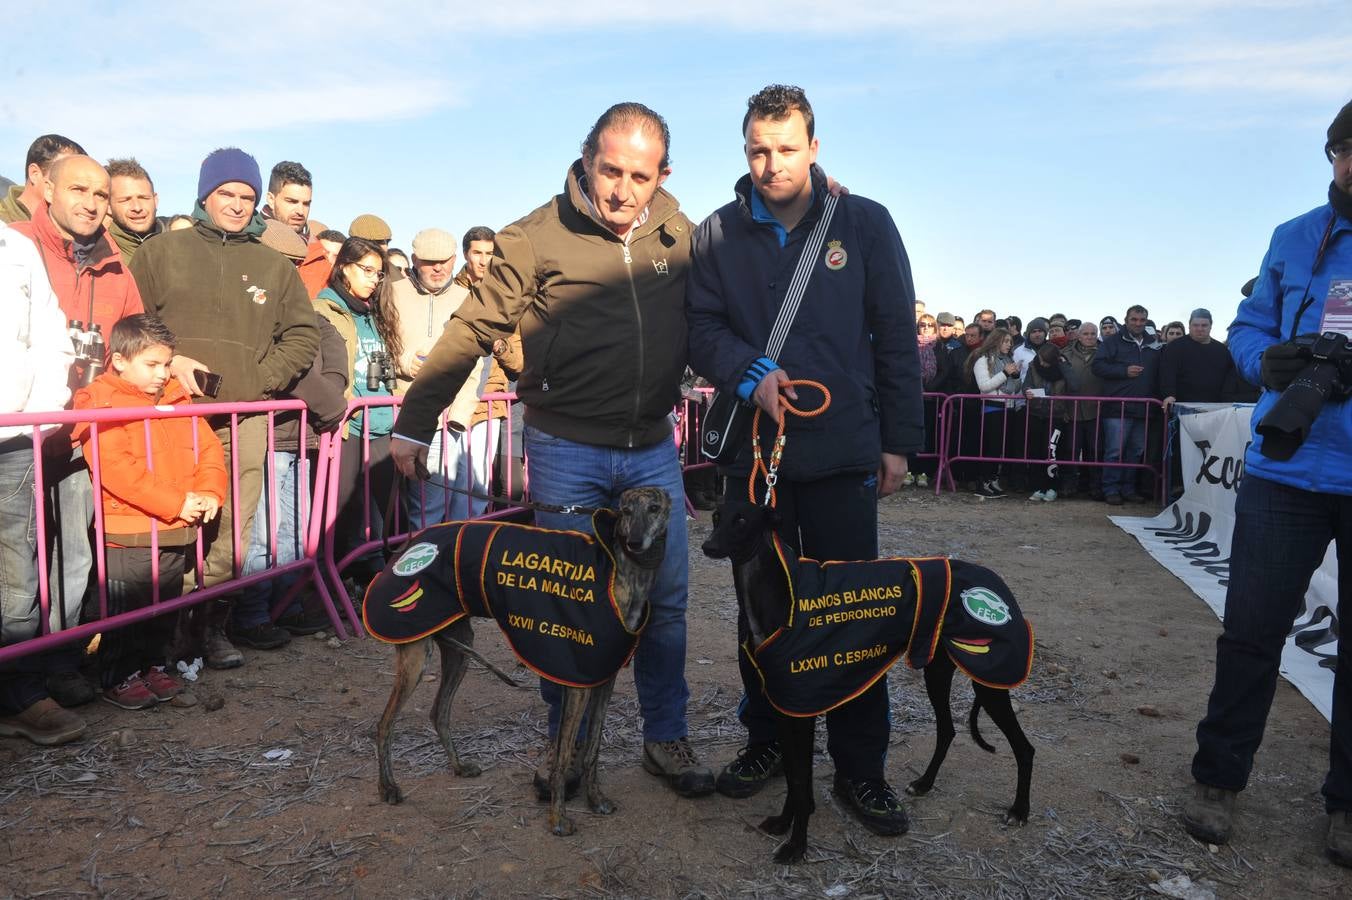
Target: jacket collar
pixel 207 229
pixel 743 190
pixel 661 208
pixel 102 253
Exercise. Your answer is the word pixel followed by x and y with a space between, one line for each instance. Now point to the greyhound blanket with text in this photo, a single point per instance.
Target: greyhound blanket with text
pixel 551 593
pixel 850 621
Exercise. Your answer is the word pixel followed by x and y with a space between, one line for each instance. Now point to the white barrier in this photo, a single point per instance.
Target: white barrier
pixel 1191 538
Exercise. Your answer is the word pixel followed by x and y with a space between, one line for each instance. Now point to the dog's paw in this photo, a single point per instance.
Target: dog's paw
pixel 601 805
pixel 391 793
pixel 776 824
pixel 919 787
pixel 1016 817
pixel 467 769
pixel 563 827
pixel 790 852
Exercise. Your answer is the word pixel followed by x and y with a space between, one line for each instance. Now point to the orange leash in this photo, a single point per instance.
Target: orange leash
pixel 770 471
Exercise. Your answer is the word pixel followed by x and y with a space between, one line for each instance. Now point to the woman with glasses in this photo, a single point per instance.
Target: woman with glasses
pixel 357 304
pixel 933 365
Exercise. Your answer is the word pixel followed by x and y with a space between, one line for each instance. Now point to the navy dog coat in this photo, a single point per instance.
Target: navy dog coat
pixel 850 621
pixel 551 593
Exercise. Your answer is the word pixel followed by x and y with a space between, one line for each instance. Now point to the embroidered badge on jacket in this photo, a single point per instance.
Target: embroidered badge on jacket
pixel 260 295
pixel 661 266
pixel 836 257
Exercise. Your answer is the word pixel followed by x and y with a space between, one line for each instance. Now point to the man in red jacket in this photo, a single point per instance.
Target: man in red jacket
pixel 94 287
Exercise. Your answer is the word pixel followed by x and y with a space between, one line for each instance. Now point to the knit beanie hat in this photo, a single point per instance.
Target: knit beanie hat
pixel 434 245
pixel 1341 129
pixel 225 165
pixel 1038 324
pixel 369 227
pixel 1200 313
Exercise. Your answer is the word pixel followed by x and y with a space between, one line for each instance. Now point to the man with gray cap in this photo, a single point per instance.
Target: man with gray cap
pixel 249 321
pixel 1294 499
pixel 426 300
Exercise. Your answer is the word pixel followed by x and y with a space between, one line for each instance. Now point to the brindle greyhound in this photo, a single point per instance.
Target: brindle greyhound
pixel 640 533
pixel 743 533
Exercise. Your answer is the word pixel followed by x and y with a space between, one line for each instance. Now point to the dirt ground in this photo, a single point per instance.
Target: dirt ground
pixel 184 802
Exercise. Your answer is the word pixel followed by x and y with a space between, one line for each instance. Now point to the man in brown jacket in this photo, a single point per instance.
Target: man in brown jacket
pixel 596 278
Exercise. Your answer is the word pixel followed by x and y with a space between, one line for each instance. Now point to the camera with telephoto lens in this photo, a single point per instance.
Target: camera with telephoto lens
pixel 379 371
pixel 1327 376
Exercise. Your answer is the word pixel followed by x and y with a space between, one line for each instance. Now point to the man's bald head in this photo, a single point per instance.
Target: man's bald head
pixel 77 196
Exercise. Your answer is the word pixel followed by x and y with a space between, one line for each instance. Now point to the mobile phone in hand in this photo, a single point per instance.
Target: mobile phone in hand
pixel 209 383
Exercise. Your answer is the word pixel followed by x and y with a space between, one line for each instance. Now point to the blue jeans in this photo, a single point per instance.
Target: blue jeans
pixel 563 472
pixel 445 497
pixel 254 605
pixel 1281 535
pixel 1123 441
pixel 20 684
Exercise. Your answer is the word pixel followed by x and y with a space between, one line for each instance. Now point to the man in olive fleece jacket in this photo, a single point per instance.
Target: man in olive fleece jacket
pixel 250 322
pixel 596 278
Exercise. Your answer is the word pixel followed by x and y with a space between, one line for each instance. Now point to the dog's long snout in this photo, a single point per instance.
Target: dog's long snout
pixel 714 548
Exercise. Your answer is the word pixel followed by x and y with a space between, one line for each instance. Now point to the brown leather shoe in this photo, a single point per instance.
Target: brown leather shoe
pixel 1338 844
pixel 1209 815
pixel 45 722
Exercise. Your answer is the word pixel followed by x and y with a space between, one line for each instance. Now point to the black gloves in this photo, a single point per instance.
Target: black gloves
pixel 1281 364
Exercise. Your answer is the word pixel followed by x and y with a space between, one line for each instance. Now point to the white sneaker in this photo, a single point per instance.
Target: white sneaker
pixel 1038 495
pixel 1049 495
pixel 909 479
pixel 922 480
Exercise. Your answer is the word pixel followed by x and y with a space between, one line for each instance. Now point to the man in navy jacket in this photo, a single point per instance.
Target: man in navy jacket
pixel 1127 364
pixel 854 333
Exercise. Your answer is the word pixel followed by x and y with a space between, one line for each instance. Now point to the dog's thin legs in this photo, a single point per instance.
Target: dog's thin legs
pixel 409 662
pixel 795 742
pixel 598 698
pixel 565 745
pixel 938 684
pixel 453 665
pixel 997 705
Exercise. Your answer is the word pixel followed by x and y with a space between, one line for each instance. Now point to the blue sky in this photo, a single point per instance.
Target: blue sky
pixel 1037 155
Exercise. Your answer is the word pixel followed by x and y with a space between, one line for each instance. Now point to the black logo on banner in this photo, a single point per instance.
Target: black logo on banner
pixel 1188 536
pixel 1223 470
pixel 1318 639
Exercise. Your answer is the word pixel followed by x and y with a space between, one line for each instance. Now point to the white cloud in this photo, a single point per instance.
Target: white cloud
pixel 1307 67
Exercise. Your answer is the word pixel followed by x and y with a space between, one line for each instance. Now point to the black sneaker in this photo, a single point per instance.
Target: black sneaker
pixel 990 490
pixel 262 637
pixel 305 622
pixel 572 779
pixel 753 768
pixel 873 803
pixel 70 689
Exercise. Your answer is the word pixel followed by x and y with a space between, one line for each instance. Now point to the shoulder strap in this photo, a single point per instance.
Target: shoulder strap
pixel 789 309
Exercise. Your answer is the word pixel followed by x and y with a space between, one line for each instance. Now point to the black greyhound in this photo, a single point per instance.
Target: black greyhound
pixel 744 533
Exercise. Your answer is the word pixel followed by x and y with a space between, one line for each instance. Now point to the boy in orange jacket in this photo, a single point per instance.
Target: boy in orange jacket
pixel 153 482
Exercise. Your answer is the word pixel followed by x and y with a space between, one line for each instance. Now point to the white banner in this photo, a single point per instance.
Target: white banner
pixel 1191 539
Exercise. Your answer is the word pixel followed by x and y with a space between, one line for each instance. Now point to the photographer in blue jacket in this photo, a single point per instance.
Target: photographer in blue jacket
pixel 1296 496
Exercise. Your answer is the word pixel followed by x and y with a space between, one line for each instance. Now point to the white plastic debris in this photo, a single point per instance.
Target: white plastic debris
pixel 1183 887
pixel 278 754
pixel 837 890
pixel 189 672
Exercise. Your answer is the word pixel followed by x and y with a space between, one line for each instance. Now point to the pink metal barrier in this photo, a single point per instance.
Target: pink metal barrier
pixel 341 551
pixel 969 430
pixel 306 566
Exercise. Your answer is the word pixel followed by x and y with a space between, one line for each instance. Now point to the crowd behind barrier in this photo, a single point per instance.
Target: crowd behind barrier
pixel 956 435
pixel 55 626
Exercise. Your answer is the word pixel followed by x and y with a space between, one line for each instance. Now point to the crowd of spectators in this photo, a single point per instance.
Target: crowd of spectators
pixel 1028 433
pixel 113 309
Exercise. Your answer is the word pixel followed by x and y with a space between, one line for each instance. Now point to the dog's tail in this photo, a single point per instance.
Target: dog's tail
pixel 477 657
pixel 971 724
